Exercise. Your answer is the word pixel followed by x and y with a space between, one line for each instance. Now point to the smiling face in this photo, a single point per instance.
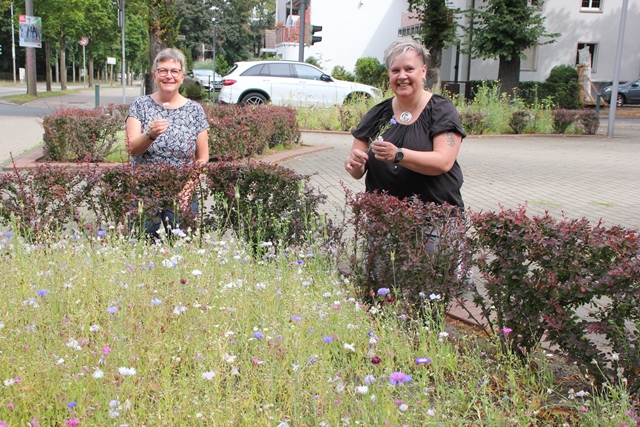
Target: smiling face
pixel 406 74
pixel 168 75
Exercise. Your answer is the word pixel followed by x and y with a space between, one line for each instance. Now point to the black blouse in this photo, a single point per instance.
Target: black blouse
pixel 439 115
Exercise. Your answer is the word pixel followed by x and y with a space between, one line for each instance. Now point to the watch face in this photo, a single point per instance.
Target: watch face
pixel 399 155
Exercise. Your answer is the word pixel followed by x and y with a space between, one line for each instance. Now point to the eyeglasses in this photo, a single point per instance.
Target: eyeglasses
pixel 162 72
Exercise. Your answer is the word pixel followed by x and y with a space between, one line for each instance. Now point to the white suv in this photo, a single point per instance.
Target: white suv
pixel 288 83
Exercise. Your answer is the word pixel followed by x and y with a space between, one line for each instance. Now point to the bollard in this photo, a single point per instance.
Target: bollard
pixel 598 97
pixel 97 88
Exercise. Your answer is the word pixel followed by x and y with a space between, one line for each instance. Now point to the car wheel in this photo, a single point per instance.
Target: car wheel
pixel 254 98
pixel 353 98
pixel 620 102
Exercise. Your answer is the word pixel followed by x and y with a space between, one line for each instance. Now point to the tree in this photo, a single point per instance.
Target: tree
pixel 438 29
pixel 504 29
pixel 195 18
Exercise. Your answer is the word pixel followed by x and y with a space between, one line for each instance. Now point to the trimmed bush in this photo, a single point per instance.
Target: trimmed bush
pixel 562 119
pixel 562 87
pixel 77 135
pixel 588 121
pixel 473 123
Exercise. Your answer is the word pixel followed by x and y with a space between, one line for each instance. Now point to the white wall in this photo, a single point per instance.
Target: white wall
pixel 352 29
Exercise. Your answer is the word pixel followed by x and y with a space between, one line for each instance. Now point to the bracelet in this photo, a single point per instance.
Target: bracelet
pixel 148 135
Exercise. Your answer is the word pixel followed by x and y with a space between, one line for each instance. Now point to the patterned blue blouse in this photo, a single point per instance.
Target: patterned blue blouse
pixel 177 146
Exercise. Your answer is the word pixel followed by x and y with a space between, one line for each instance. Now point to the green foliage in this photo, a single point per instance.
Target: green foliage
pixel 563 74
pixel 411 247
pixel 313 61
pixel 519 121
pixel 438 23
pixel 369 71
pixel 473 123
pixel 238 131
pixel 194 92
pixel 340 73
pixel 588 122
pixel 562 119
pixel 506 28
pixel 562 87
pixel 539 272
pixel 79 135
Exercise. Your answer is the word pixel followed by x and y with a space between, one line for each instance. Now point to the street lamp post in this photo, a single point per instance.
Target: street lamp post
pixel 213 62
pixel 121 24
pixel 13 45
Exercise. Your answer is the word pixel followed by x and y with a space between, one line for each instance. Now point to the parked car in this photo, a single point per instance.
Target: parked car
pixel 203 77
pixel 288 83
pixel 628 93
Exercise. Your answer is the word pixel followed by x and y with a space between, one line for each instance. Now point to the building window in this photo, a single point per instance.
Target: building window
pixel 591 6
pixel 530 63
pixel 588 52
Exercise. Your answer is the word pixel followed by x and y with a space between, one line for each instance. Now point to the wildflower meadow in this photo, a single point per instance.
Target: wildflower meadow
pixel 101 330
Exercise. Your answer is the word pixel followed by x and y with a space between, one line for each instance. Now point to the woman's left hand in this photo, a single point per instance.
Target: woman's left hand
pixel 384 151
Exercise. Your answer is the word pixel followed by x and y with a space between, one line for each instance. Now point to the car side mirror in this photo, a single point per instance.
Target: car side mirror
pixel 326 78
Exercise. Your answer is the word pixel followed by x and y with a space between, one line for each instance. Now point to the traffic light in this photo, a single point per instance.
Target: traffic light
pixel 311 39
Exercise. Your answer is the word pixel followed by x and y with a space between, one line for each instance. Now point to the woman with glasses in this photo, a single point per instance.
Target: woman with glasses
pixel 167 128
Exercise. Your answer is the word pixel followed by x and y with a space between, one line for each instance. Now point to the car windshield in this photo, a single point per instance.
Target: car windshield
pixel 203 73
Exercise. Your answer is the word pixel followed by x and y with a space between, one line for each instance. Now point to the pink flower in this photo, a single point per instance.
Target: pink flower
pixel 506 330
pixel 257 361
pixel 34 422
pixel 106 350
pixel 73 422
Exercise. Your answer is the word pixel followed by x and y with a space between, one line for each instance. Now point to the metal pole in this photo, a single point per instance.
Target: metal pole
pixel 32 88
pixel 616 69
pixel 122 22
pixel 97 94
pixel 213 66
pixel 302 13
pixel 84 67
pixel 13 45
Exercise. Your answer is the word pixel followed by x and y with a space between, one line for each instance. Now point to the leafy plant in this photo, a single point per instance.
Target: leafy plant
pixel 473 123
pixel 519 121
pixel 588 121
pixel 72 134
pixel 562 119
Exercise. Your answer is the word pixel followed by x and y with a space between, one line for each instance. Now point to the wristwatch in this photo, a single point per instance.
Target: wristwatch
pixel 148 135
pixel 399 156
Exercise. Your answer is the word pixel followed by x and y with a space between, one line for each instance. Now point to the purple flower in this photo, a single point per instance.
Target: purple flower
pixel 383 291
pixel 398 377
pixel 258 335
pixel 393 121
pixel 112 310
pixel 506 330
pixel 376 360
pixel 369 379
pixel 423 361
pixel 8 234
pixel 328 338
pixel 72 404
pixel 42 292
pixel 296 318
pixel 156 301
pixel 101 233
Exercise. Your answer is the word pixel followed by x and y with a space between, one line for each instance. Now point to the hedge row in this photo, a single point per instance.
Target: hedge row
pixel 78 135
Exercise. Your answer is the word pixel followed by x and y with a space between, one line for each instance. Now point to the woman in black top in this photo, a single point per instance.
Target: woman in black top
pixel 408 144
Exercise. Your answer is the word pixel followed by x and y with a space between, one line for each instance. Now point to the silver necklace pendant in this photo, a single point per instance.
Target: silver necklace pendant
pixel 405 116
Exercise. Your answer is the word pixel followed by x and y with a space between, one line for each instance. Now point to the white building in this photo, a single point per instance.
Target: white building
pixel 352 29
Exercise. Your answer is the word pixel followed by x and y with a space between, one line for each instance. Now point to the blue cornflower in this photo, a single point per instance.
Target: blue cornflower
pixel 296 318
pixel 383 291
pixel 72 404
pixel 156 301
pixel 328 338
pixel 42 292
pixel 258 335
pixel 423 361
pixel 112 310
pixel 101 233
pixel 8 234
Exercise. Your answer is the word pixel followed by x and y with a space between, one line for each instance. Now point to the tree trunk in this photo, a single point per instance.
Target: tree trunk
pixel 90 70
pixel 63 63
pixel 509 74
pixel 433 68
pixel 47 60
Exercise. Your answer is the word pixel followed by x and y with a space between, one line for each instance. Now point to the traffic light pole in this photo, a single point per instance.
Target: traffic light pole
pixel 303 14
pixel 32 89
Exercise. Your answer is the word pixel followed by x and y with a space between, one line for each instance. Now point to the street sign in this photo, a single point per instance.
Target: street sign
pixel 84 40
pixel 111 60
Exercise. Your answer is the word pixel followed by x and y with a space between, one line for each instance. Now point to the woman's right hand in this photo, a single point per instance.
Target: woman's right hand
pixel 356 160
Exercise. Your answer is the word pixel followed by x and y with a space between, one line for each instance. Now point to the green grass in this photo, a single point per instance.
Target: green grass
pixel 23 99
pixel 217 338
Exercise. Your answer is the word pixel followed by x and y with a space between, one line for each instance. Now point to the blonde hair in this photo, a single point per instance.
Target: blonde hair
pixel 400 48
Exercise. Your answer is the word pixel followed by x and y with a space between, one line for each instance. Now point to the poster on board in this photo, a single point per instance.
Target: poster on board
pixel 30 31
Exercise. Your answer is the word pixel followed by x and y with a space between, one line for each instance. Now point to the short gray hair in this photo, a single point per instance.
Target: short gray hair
pixel 169 54
pixel 401 47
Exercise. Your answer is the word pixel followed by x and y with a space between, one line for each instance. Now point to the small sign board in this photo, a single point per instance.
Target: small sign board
pixel 111 60
pixel 84 40
pixel 30 31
